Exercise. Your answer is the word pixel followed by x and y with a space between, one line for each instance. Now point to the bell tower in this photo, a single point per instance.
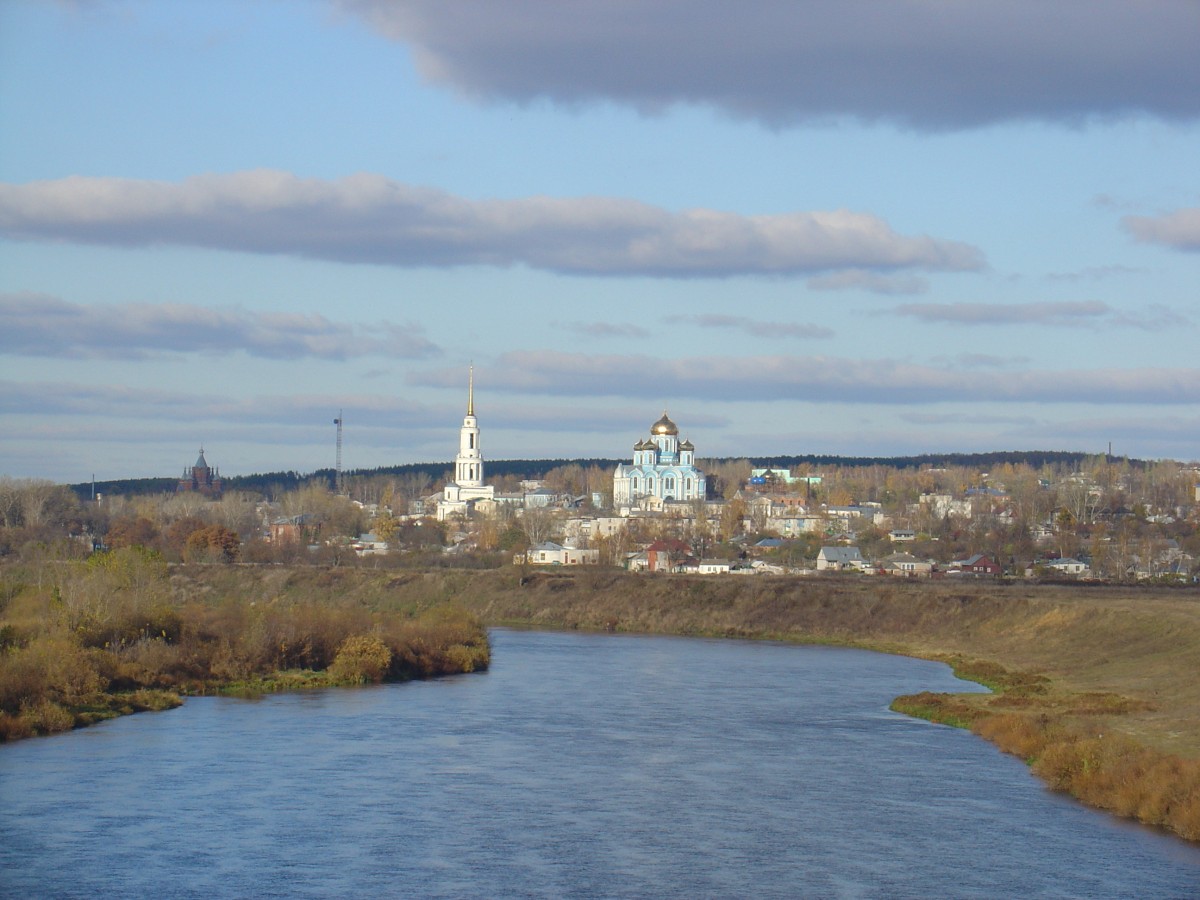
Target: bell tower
pixel 468 465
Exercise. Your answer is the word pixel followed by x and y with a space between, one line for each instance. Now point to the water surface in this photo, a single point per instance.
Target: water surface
pixel 579 766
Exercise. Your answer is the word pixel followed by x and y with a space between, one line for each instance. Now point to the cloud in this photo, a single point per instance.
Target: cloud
pixel 88 401
pixel 1086 313
pixel 1094 273
pixel 822 379
pixel 370 219
pixel 858 280
pixel 923 63
pixel 1179 230
pixel 755 327
pixel 1062 313
pixel 41 325
pixel 605 329
pixel 980 361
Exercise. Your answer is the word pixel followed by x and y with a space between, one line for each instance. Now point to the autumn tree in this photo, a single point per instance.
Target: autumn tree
pixel 214 542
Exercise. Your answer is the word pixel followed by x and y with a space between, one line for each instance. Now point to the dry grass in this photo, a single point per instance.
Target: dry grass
pixel 86 641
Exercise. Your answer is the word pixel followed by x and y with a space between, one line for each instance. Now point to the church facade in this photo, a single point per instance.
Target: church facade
pixel 662 468
pixel 459 495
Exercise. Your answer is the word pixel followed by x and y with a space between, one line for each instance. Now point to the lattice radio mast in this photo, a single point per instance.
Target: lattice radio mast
pixel 338 465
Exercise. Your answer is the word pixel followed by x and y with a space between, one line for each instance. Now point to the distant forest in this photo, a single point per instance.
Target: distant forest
pixel 272 483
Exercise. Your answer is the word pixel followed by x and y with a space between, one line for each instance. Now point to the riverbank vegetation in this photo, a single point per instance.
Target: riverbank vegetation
pixel 85 640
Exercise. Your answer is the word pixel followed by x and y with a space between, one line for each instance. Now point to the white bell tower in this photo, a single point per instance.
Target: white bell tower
pixel 468 465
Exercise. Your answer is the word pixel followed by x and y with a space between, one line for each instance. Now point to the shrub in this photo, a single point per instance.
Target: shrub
pixel 361 658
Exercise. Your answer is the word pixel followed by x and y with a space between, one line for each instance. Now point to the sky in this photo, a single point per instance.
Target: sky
pixel 828 227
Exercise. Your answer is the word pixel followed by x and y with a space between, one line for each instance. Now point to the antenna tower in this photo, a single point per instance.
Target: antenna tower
pixel 338 465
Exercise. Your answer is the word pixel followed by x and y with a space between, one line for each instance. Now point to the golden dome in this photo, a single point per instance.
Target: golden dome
pixel 664 426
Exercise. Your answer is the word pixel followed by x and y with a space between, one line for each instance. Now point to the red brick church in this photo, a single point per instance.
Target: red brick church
pixel 201 479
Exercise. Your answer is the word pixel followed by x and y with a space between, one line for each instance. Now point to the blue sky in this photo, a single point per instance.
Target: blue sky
pixel 829 227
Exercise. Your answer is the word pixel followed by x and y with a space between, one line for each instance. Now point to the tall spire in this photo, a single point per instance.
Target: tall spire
pixel 471 391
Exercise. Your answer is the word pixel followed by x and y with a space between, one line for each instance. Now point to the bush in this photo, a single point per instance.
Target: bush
pixel 361 658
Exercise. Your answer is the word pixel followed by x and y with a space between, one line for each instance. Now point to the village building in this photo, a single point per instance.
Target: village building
pixel 905 565
pixel 548 553
pixel 977 564
pixel 838 559
pixel 663 469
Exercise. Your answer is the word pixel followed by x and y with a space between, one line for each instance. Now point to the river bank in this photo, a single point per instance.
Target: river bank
pixel 85 641
pixel 1091 685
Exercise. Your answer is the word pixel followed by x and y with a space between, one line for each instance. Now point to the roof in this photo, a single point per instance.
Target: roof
pixel 840 554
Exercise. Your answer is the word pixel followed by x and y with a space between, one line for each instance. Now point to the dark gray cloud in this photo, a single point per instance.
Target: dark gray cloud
pixel 41 325
pixel 817 378
pixel 924 63
pixel 370 219
pixel 1071 313
pixel 1179 230
pixel 755 327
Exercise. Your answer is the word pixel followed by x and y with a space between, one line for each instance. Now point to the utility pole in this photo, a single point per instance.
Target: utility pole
pixel 338 465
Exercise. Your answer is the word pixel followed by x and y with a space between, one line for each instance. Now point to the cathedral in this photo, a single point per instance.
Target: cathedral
pixel 467 486
pixel 662 467
pixel 201 479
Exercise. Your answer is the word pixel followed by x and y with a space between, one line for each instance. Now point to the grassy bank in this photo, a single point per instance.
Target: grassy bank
pixel 85 641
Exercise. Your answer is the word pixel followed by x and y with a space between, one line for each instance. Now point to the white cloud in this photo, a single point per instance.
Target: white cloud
pixel 924 63
pixel 1179 230
pixel 41 325
pixel 370 219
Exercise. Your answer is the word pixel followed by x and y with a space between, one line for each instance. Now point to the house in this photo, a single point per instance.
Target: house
pixel 979 565
pixel 714 567
pixel 549 553
pixel 839 559
pixel 901 536
pixel 906 565
pixel 302 529
pixel 369 545
pixel 667 555
pixel 1068 566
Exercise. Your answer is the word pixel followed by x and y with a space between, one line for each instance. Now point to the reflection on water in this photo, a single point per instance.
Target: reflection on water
pixel 579 766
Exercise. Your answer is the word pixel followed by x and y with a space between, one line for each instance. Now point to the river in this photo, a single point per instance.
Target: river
pixel 578 766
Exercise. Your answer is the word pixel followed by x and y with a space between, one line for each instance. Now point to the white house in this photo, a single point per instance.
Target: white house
pixel 1069 566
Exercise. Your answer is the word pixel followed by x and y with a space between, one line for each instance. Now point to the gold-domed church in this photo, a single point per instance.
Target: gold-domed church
pixel 662 467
